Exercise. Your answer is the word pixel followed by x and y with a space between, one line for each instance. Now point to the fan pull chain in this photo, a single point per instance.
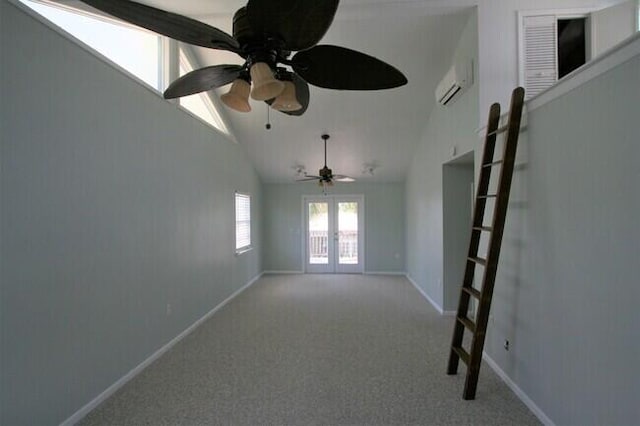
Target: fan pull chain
pixel 268 125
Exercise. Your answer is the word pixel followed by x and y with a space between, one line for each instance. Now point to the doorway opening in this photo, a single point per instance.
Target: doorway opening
pixel 458 192
pixel 334 234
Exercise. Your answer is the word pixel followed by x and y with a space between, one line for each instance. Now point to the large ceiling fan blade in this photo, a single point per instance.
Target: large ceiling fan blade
pixel 203 79
pixel 301 24
pixel 169 24
pixel 334 67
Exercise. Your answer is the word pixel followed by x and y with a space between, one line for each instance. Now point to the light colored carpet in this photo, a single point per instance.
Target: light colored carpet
pixel 314 350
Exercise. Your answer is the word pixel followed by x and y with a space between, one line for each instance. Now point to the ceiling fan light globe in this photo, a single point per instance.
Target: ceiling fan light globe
pixel 237 98
pixel 265 85
pixel 287 100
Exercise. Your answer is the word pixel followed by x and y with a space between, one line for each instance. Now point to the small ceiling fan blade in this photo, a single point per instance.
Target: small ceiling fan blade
pixel 308 178
pixel 302 95
pixel 169 24
pixel 300 23
pixel 334 67
pixel 343 178
pixel 203 79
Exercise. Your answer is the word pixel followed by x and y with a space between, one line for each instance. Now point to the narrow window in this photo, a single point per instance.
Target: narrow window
pixel 199 104
pixel 243 222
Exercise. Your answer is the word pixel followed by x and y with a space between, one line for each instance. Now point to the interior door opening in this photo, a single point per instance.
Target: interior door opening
pixel 457 209
pixel 334 234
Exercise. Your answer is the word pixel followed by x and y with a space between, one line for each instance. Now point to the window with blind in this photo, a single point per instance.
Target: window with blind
pixel 243 222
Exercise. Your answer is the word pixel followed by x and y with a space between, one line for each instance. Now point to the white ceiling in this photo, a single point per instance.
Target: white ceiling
pixel 379 127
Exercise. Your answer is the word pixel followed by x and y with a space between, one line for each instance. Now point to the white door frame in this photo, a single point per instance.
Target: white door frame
pixel 333 265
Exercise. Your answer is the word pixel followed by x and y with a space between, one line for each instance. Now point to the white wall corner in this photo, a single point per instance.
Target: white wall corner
pixel 426 296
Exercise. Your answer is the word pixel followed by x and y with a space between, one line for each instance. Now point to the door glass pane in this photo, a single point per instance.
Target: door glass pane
pixel 348 233
pixel 318 233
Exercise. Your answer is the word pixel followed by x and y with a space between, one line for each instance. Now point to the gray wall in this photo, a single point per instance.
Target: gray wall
pixel 567 287
pixel 448 127
pixel 383 216
pixel 114 203
pixel 612 25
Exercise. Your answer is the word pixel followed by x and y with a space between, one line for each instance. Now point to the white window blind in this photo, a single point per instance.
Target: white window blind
pixel 243 221
pixel 540 53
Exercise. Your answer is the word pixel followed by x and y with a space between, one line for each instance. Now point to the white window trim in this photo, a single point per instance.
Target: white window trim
pixel 249 247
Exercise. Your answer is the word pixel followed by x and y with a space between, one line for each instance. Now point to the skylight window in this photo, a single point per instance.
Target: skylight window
pixel 136 50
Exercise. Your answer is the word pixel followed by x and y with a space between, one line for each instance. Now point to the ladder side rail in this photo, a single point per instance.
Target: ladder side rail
pixel 478 216
pixel 499 217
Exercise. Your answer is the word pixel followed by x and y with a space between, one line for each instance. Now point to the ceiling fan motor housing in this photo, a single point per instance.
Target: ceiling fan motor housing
pixel 257 47
pixel 326 173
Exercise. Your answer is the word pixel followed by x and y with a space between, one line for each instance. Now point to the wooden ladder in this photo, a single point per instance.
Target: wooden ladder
pixel 478 325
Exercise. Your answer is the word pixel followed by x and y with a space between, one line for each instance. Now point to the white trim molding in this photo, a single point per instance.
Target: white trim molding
pixel 82 412
pixel 426 296
pixel 544 419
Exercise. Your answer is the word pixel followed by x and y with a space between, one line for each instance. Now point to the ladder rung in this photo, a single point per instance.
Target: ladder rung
pixel 472 291
pixel 478 260
pixel 468 323
pixel 464 356
pixel 495 163
pixel 483 228
pixel 488 196
pixel 499 130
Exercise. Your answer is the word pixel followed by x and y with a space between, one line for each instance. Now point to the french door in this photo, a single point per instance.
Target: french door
pixel 334 234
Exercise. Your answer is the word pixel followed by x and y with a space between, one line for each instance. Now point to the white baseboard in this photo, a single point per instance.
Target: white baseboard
pixel 78 415
pixel 384 273
pixel 282 272
pixel 519 392
pixel 425 295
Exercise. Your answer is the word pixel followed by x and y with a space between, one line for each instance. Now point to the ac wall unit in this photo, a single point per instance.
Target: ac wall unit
pixel 453 83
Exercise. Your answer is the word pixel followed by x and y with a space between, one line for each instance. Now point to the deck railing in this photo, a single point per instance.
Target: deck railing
pixel 347 247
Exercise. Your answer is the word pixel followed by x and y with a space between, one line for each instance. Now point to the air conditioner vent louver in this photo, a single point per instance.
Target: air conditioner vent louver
pixel 453 83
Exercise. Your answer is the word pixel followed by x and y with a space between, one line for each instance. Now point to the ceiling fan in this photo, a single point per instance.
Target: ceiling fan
pixel 325 176
pixel 265 34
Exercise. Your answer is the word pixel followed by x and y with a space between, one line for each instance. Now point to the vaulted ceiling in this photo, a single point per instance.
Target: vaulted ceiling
pixel 378 127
